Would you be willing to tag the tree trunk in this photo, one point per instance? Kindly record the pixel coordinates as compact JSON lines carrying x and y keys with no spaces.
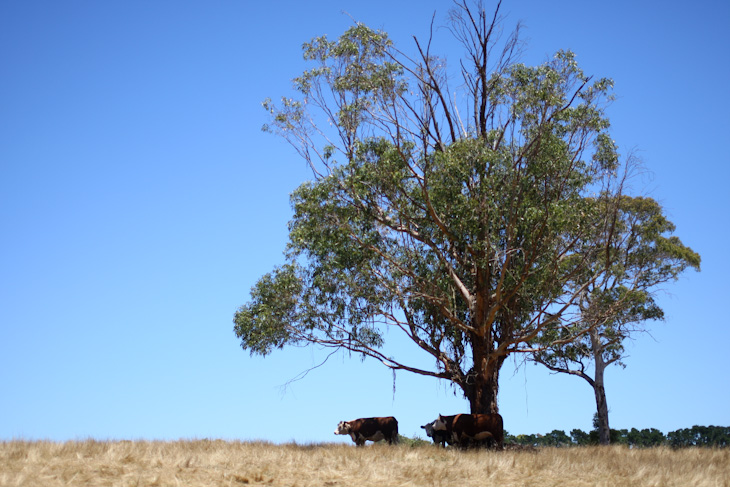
{"x":483,"y":378}
{"x":604,"y":431}
{"x":483,"y":388}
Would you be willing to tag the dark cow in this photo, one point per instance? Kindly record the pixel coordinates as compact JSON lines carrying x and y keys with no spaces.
{"x":440,"y":436}
{"x":373,"y":429}
{"x":469,"y":429}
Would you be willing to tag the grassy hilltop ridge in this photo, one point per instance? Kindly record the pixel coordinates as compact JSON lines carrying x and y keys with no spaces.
{"x":214,"y":463}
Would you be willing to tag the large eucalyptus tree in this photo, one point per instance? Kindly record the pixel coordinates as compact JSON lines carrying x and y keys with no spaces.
{"x":460,"y":204}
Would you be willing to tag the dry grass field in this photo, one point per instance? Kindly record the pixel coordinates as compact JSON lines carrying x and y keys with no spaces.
{"x":220,"y":463}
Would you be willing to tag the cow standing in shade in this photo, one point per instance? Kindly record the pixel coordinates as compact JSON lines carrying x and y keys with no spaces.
{"x":373,"y":429}
{"x":469,"y":429}
{"x":440,"y":436}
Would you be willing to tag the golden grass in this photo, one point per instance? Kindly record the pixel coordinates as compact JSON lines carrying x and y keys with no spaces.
{"x":220,"y":463}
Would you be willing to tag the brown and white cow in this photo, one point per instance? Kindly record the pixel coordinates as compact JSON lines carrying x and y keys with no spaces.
{"x":469,"y":429}
{"x":440,"y":436}
{"x":373,"y":429}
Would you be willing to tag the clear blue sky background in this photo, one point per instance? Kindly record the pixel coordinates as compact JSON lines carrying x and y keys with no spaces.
{"x":139,"y":202}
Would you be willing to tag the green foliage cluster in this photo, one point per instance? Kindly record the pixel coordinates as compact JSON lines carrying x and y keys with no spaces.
{"x":700,"y":436}
{"x":642,"y":254}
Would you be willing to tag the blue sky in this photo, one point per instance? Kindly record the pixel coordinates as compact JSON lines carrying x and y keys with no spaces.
{"x":139,"y":202}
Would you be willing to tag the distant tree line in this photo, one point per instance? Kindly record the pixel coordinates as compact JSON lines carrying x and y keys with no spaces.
{"x":706,"y":436}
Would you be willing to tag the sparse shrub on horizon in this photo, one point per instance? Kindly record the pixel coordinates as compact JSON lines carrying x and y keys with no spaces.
{"x":414,"y":442}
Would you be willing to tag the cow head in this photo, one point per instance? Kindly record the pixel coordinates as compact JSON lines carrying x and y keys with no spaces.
{"x":439,"y":424}
{"x":343,"y":428}
{"x":429,"y":429}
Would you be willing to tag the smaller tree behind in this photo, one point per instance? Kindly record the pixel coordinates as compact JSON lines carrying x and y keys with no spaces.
{"x":643,"y":254}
